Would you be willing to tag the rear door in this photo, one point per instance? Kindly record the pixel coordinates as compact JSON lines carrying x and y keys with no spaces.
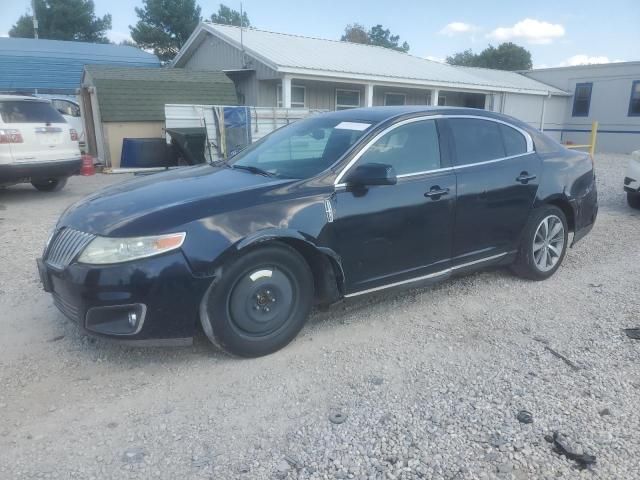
{"x":497,"y":175}
{"x":43,"y":133}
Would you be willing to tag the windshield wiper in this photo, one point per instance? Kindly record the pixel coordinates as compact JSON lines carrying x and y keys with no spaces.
{"x":252,"y":169}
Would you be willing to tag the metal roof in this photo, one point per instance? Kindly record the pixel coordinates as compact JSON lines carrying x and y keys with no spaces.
{"x":140,"y":94}
{"x":300,"y":55}
{"x":27,"y":64}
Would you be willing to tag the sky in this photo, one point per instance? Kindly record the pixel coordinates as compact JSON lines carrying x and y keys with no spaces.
{"x":556,"y":32}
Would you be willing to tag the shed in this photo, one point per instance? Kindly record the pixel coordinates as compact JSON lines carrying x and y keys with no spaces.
{"x":41,"y":66}
{"x":122,"y":102}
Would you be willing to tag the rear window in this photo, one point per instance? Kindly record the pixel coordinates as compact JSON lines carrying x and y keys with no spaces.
{"x":514,"y":141}
{"x":26,"y":111}
{"x":476,"y":140}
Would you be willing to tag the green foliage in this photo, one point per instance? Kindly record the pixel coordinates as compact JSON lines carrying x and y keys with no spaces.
{"x":507,"y":56}
{"x":377,"y":35}
{"x":64,"y":20}
{"x":229,"y":16}
{"x":165,"y":25}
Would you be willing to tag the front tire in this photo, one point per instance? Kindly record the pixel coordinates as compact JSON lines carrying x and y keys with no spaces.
{"x":260,"y":303}
{"x":543,"y":245}
{"x":50,"y":184}
{"x":633,"y":199}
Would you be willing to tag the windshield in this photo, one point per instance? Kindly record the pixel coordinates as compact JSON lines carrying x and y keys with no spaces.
{"x":302,"y":149}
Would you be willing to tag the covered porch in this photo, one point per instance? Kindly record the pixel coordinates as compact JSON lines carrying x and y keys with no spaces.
{"x":338,"y":94}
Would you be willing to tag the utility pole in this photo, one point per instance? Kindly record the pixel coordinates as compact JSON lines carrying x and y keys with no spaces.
{"x":35,"y":19}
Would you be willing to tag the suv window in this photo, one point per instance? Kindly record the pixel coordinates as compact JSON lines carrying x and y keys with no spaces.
{"x":29,"y":111}
{"x":410,"y":148}
{"x":476,"y":140}
{"x":514,"y":141}
{"x":66,"y":108}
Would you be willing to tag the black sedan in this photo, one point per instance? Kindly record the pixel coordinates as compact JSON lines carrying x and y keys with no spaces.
{"x":333,"y":206}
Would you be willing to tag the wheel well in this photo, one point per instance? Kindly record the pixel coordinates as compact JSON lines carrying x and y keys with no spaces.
{"x":564,"y":205}
{"x":327,"y":277}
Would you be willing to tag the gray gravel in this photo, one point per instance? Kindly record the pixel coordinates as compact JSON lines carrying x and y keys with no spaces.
{"x":430,"y":380}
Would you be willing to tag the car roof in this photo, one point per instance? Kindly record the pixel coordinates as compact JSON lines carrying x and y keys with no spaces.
{"x":22,"y":97}
{"x":381,"y":114}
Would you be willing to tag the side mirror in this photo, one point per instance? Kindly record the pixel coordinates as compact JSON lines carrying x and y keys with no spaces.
{"x":372,"y":174}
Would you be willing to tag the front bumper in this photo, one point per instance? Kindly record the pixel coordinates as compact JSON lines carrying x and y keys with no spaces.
{"x":29,"y":171}
{"x":163,"y":290}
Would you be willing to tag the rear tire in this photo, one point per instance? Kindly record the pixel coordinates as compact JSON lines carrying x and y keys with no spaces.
{"x":50,"y":184}
{"x":633,"y":199}
{"x":543,"y":245}
{"x":260,"y":303}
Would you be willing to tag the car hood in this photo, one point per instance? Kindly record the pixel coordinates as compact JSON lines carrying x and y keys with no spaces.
{"x":162,"y":202}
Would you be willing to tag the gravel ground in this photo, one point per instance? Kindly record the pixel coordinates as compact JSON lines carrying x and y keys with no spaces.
{"x":427,"y":382}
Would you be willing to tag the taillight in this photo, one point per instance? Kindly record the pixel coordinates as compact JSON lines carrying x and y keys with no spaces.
{"x":74,"y":134}
{"x":10,"y":135}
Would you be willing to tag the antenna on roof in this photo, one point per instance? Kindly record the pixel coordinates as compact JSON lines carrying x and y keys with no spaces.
{"x":35,"y":19}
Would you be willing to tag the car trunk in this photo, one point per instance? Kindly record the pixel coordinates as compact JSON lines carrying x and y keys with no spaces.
{"x":45,"y":134}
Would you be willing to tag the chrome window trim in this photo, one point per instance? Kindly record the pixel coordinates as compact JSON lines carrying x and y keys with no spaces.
{"x":338,"y":184}
{"x":430,"y":275}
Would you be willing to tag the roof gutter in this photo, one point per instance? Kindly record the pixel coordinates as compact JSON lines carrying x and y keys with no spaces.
{"x":340,"y":77}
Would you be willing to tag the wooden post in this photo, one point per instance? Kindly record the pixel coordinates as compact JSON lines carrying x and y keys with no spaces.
{"x":594,"y":134}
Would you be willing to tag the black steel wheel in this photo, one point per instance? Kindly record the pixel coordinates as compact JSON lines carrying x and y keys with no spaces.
{"x":260,"y":303}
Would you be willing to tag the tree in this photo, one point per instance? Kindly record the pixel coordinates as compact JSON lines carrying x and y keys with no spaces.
{"x":507,"y":56}
{"x":377,"y":35}
{"x":383,"y":38}
{"x":355,"y":33}
{"x":228,"y":16}
{"x":64,"y":20}
{"x":165,"y":25}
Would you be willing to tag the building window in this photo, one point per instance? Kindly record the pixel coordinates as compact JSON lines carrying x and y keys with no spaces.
{"x":634,"y":101}
{"x":428,"y":99}
{"x":298,"y":96}
{"x":582,"y":100}
{"x":347,"y":99}
{"x":442,"y":100}
{"x":391,"y":99}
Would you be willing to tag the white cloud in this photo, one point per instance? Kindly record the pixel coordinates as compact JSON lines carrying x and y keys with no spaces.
{"x":586,"y":60}
{"x":455,"y":28}
{"x":435,"y":59}
{"x":4,"y":35}
{"x":529,"y":30}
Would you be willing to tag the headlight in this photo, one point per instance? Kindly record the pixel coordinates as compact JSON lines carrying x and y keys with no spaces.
{"x":103,"y":250}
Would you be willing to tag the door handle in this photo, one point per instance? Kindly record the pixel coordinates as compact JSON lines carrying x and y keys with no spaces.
{"x":525,"y":178}
{"x":436,"y":192}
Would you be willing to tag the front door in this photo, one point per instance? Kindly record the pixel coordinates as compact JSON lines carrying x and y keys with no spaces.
{"x":498,"y":176}
{"x":390,"y":234}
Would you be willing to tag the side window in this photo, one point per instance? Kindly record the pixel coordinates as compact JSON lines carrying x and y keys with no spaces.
{"x":582,"y":100}
{"x":634,"y":101}
{"x":476,"y":140}
{"x":410,"y":148}
{"x":514,"y":141}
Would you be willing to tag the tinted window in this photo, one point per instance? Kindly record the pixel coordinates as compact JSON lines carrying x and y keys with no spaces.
{"x":476,"y":140}
{"x":634,"y":102}
{"x":409,"y":148}
{"x":514,"y":141}
{"x":582,"y":100}
{"x":28,"y":111}
{"x":66,"y":108}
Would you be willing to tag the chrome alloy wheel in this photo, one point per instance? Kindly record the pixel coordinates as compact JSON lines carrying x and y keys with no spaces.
{"x":548,"y":243}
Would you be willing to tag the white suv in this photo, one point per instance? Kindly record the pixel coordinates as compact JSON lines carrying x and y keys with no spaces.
{"x":632,"y":180}
{"x":36,"y":144}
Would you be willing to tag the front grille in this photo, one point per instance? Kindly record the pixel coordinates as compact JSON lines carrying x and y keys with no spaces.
{"x":67,"y":308}
{"x":66,"y":244}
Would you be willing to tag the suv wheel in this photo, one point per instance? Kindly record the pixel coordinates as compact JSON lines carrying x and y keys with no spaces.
{"x":50,"y":184}
{"x":633,"y":199}
{"x":543,"y":245}
{"x":260,"y":303}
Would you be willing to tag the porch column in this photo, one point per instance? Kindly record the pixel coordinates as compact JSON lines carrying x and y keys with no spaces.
{"x":434,"y":97}
{"x":368,"y":95}
{"x":286,"y":91}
